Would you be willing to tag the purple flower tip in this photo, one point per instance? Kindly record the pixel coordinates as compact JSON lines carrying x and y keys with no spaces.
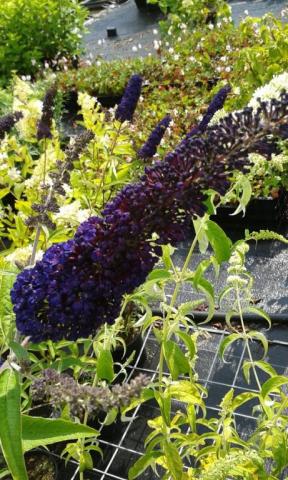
{"x":8,"y":121}
{"x":127,"y":106}
{"x":150,"y":146}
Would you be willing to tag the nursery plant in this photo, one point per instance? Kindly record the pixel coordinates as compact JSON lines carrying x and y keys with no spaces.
{"x":183,"y":442}
{"x":64,"y":301}
{"x":222,"y":53}
{"x":43,"y":32}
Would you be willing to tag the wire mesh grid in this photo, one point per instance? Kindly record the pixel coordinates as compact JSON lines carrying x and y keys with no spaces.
{"x":124,"y":444}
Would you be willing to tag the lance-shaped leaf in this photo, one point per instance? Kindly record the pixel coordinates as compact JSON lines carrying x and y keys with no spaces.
{"x":10,"y":423}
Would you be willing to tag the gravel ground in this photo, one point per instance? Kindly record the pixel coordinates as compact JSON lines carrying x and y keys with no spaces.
{"x":137,"y":31}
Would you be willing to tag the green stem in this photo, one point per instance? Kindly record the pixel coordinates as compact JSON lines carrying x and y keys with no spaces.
{"x":282,"y":407}
{"x":246,"y":339}
{"x":85,"y":420}
{"x":45,"y":161}
{"x":110,"y":152}
{"x":174,"y":298}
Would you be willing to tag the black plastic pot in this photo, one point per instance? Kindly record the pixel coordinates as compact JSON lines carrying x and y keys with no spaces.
{"x":41,"y":464}
{"x":261,"y":213}
{"x":135,"y":345}
{"x":144,"y":5}
{"x":71,"y":106}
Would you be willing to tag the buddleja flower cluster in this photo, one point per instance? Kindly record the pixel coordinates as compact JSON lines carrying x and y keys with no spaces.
{"x":79,"y":284}
{"x":45,"y":122}
{"x":60,"y":390}
{"x":8,"y":121}
{"x":149,"y":148}
{"x":127,"y":106}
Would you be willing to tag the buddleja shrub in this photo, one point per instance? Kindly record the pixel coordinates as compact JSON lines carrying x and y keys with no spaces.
{"x":32,"y":32}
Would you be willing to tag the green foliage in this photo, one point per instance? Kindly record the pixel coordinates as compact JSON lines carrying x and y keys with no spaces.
{"x":265,"y":235}
{"x":213,"y":446}
{"x":10,"y":423}
{"x":34,"y":32}
{"x":192,"y":13}
{"x":108,"y":163}
{"x":8,"y":274}
{"x":37,"y":431}
{"x":222,"y":53}
{"x":263,"y":177}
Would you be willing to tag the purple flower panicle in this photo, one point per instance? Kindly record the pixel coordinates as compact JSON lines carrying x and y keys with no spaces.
{"x":215,"y":105}
{"x":79,"y":284}
{"x":45,"y":122}
{"x":8,"y":121}
{"x":59,"y":389}
{"x":149,"y":148}
{"x":127,"y":106}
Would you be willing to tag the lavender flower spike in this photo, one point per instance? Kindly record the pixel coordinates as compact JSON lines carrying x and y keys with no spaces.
{"x":8,"y":121}
{"x":150,"y":147}
{"x":127,"y":106}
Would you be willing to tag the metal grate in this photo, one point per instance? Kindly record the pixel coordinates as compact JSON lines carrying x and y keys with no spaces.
{"x":125,"y":444}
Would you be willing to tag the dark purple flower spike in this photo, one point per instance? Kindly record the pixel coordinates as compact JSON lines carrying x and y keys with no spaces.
{"x":8,"y":121}
{"x":150,"y":146}
{"x":79,"y":284}
{"x":45,"y":122}
{"x":215,"y":105}
{"x":127,"y":106}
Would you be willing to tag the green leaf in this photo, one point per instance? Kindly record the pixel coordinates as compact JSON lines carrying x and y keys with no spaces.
{"x":20,"y":352}
{"x":173,"y":460}
{"x":229,"y":315}
{"x":85,"y":462}
{"x":159,"y":274}
{"x":219,"y":241}
{"x":233,"y":337}
{"x":273,"y":384}
{"x":10,"y":423}
{"x":185,"y":392}
{"x":147,"y":460}
{"x":4,"y":192}
{"x":224,"y":294}
{"x":7,"y":318}
{"x":4,"y":473}
{"x":246,"y":188}
{"x":111,"y":416}
{"x":259,"y":312}
{"x":243,"y":398}
{"x":105,"y":369}
{"x":200,"y":270}
{"x":37,"y":431}
{"x":167,"y":252}
{"x":188,"y":341}
{"x":266,"y":367}
{"x":201,"y":235}
{"x":261,"y":338}
{"x":207,"y":288}
{"x":187,"y":308}
{"x":175,"y":359}
{"x":280,"y":451}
